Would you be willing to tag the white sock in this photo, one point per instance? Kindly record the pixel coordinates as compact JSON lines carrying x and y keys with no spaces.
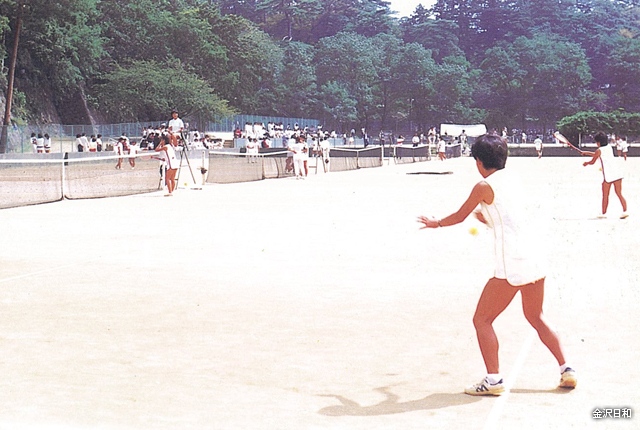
{"x":564,"y":367}
{"x":493,"y":378}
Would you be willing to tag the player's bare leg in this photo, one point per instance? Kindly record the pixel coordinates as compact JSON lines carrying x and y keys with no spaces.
{"x":617,"y":186}
{"x":495,"y":298}
{"x":606,"y":188}
{"x":532,"y":300}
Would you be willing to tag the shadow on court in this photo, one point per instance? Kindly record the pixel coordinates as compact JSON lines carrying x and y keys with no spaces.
{"x":392,"y":405}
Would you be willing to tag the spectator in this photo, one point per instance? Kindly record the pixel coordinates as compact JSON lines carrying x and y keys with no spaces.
{"x":40,"y":144}
{"x":34,"y":143}
{"x":47,"y":143}
{"x":93,"y":145}
{"x":415,"y":140}
{"x":133,"y":150}
{"x":85,"y":142}
{"x":78,"y":142}
{"x":442,"y":148}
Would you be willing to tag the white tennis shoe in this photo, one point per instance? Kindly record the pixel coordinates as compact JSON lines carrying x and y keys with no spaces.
{"x":485,"y":388}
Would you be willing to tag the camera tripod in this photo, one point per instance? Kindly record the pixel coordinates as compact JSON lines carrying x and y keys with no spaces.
{"x":184,"y":154}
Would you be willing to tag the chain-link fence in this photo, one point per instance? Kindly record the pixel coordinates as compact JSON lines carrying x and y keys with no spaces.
{"x":63,"y":136}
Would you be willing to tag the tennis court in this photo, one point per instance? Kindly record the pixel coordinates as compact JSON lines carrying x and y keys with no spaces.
{"x":315,"y":304}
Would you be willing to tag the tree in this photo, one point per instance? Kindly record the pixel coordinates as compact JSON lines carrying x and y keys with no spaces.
{"x":453,"y":87}
{"x":253,"y":61}
{"x":534,"y":79}
{"x":295,"y":91}
{"x":61,"y":50}
{"x":337,"y":104}
{"x":439,"y":36}
{"x":623,"y":74}
{"x":348,"y":59}
{"x":583,"y":123}
{"x":147,"y":90}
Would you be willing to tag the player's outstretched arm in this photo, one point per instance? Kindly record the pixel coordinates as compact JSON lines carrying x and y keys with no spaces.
{"x":481,"y":192}
{"x":594,"y":158}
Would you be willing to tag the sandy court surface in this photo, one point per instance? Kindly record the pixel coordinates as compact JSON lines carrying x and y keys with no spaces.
{"x":315,"y":304}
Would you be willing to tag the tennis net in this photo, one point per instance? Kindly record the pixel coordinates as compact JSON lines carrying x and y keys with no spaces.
{"x":30,"y":179}
{"x":342,"y":159}
{"x":93,"y":176}
{"x":409,"y":154}
{"x":230,"y":167}
{"x":41,"y":178}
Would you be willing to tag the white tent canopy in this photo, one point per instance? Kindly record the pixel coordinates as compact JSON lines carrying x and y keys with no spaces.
{"x":455,"y":130}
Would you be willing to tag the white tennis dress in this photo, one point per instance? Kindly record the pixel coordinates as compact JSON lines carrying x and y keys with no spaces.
{"x":170,"y":157}
{"x":610,"y":169}
{"x":518,"y":252}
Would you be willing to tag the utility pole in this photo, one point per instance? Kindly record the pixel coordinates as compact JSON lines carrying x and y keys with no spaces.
{"x":12,"y":72}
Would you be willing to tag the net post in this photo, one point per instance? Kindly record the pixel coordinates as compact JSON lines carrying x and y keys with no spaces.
{"x":64,"y":175}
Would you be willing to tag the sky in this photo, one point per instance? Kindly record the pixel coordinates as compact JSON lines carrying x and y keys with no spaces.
{"x":406,"y":7}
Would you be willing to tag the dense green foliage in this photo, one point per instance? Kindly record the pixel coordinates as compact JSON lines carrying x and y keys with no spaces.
{"x":352,"y":63}
{"x":584,"y":123}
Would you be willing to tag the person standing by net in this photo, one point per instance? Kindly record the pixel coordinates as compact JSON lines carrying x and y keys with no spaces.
{"x":298,"y":157}
{"x":518,"y":261}
{"x":325,"y":150}
{"x":171,"y":162}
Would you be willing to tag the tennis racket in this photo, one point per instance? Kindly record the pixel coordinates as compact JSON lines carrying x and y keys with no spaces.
{"x":564,"y":140}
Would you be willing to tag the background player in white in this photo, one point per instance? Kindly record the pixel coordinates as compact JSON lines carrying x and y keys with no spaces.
{"x":538,"y":144}
{"x":118,"y":148}
{"x":622,"y":146}
{"x":133,"y":150}
{"x":252,"y":150}
{"x":442,"y":149}
{"x":325,"y":150}
{"x":610,"y":171}
{"x":298,"y":157}
{"x":518,"y":265}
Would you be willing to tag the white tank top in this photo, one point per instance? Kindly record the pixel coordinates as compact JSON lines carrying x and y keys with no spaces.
{"x":610,"y":169}
{"x":518,"y":252}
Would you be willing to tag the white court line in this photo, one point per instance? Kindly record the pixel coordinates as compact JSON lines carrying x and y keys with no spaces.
{"x":498,"y":406}
{"x":39,"y":272}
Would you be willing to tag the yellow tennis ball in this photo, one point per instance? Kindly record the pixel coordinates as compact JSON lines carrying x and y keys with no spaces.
{"x":473,"y":231}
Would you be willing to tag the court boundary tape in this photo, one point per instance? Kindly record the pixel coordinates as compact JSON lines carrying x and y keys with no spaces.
{"x":498,"y":406}
{"x":40,"y":272}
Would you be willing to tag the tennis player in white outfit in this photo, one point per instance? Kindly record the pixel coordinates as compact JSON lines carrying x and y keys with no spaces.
{"x":518,"y":265}
{"x":610,"y":170}
{"x":171,"y":161}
